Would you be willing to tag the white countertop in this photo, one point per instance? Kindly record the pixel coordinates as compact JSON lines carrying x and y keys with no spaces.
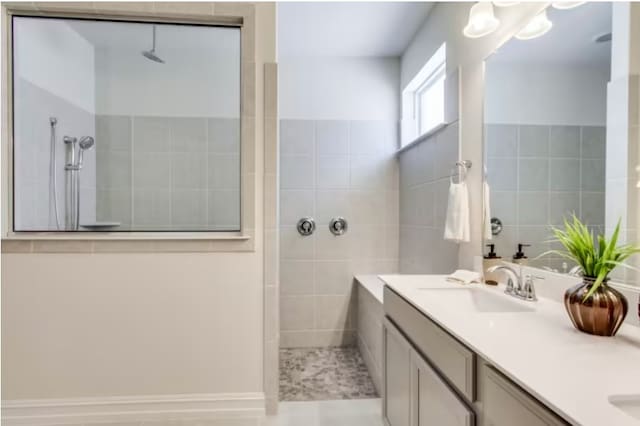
{"x":571,"y":372}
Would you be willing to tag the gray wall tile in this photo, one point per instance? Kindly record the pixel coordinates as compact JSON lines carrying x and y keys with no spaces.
{"x":332,"y":137}
{"x":297,"y":172}
{"x":533,"y":208}
{"x":533,"y":174}
{"x":502,"y":140}
{"x":562,"y":205}
{"x":223,"y":135}
{"x":593,"y":142}
{"x":332,"y":172}
{"x":151,"y":134}
{"x":297,"y":137}
{"x":534,"y":141}
{"x":152,"y":170}
{"x":188,"y":134}
{"x":564,"y":174}
{"x":593,"y":208}
{"x":224,"y":209}
{"x":189,"y":208}
{"x":504,"y":206}
{"x":502,"y":174}
{"x":188,"y":170}
{"x":564,"y":141}
{"x":113,"y":132}
{"x":593,"y":175}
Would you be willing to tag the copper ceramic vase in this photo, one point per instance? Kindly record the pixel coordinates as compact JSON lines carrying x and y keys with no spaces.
{"x":601,"y":314}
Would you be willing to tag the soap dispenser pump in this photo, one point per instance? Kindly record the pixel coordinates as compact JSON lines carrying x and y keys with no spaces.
{"x":489,"y":260}
{"x":520,"y":258}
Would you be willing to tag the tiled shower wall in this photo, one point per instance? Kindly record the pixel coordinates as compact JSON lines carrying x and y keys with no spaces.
{"x":168,"y":173}
{"x":539,"y":174}
{"x":424,"y":189}
{"x":329,"y":169}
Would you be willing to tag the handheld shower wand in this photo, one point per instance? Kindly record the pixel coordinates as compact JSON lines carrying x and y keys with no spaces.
{"x":85,"y":143}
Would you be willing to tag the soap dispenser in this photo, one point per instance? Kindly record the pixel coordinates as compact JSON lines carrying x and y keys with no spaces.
{"x":489,"y":260}
{"x":520,"y":258}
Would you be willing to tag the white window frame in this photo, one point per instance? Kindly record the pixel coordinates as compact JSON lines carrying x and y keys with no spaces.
{"x":433,"y":72}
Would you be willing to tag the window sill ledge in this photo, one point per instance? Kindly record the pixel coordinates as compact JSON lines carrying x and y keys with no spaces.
{"x":423,"y":137}
{"x":129,"y":242}
{"x":126,"y":236}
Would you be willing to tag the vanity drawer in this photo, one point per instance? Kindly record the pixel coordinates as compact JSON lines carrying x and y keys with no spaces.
{"x":451,"y":358}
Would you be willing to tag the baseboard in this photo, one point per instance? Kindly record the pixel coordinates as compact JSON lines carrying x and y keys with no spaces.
{"x":74,"y":411}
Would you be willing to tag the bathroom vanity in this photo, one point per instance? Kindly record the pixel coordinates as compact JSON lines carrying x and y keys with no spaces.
{"x":468,"y":355}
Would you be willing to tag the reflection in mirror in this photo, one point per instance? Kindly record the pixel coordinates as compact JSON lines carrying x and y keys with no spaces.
{"x":545,"y":131}
{"x":125,"y":126}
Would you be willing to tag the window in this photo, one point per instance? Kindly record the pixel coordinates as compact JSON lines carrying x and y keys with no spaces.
{"x":423,"y":99}
{"x":125,"y":126}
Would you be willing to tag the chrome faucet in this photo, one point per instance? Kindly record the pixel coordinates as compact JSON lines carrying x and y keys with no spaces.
{"x":516,"y":287}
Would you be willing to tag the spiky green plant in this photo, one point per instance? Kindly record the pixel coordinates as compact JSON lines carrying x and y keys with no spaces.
{"x":595,"y":260}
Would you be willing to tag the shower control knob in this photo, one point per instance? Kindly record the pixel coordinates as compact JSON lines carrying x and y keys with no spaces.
{"x":338,"y":226}
{"x":306,"y":226}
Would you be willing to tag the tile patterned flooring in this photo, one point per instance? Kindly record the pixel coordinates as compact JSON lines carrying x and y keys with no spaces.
{"x":317,"y":374}
{"x":360,"y":412}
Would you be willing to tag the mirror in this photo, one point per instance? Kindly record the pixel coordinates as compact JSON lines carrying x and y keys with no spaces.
{"x":125,"y":126}
{"x":546,"y":129}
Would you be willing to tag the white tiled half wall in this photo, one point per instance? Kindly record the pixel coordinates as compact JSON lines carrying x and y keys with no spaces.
{"x":330,"y":169}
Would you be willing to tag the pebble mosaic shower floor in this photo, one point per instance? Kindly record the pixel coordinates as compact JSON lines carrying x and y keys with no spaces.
{"x":316,"y":374}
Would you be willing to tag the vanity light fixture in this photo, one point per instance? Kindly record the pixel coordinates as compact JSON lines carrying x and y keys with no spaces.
{"x":482,"y":21}
{"x":537,"y":26}
{"x":505,"y":3}
{"x":564,"y":5}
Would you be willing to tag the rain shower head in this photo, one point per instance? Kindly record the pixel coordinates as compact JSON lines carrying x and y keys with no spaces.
{"x":151,"y":54}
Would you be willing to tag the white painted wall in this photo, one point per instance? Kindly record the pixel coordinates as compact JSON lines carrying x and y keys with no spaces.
{"x":54,"y":57}
{"x":334,"y":88}
{"x":553,"y":94}
{"x":191,"y":82}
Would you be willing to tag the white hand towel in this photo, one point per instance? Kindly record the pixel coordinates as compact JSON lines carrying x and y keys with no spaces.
{"x":456,"y":227}
{"x":487,"y":212}
{"x":463,"y":276}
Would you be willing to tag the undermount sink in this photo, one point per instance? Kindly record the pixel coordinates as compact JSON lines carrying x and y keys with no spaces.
{"x":630,"y":404}
{"x":478,"y":299}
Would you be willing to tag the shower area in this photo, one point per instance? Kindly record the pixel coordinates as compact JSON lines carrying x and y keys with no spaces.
{"x":125,"y":126}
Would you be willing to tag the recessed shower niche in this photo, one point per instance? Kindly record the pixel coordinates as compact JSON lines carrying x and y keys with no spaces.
{"x":125,"y":126}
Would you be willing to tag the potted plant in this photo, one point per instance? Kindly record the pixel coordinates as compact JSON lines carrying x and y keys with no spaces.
{"x":593,"y":306}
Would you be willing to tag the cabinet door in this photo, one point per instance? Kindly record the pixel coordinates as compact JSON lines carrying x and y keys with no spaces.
{"x":396,"y":407}
{"x":436,"y":404}
{"x":505,"y":404}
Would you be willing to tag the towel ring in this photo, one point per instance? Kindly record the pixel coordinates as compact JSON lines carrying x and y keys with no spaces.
{"x":460,"y":169}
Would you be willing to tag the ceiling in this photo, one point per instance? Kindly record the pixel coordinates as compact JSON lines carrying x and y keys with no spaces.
{"x":365,"y":29}
{"x":570,"y":40}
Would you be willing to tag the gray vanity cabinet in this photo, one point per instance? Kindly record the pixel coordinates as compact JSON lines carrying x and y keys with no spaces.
{"x":432,"y":379}
{"x":414,"y":394}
